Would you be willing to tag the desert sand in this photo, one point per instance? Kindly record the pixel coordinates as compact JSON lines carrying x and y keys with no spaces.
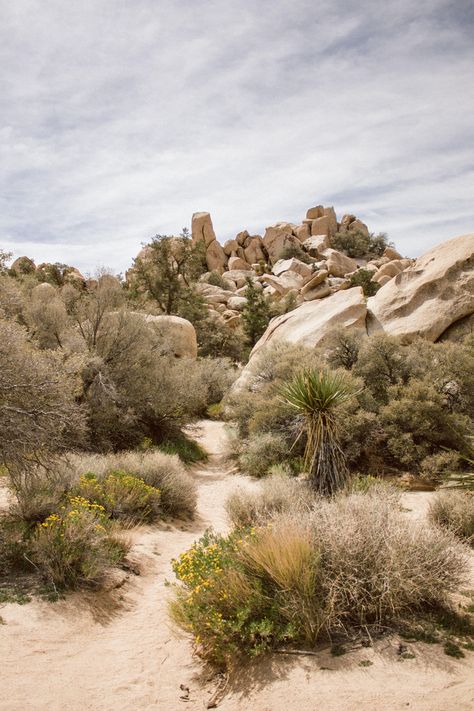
{"x":117,"y":649}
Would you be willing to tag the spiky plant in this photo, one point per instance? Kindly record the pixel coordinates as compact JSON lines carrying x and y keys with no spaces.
{"x":316,"y":395}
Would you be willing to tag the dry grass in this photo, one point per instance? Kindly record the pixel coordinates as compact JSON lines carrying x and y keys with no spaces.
{"x":454,"y":510}
{"x":277,"y":494}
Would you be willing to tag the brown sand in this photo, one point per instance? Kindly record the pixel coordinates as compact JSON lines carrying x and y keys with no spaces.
{"x":117,"y":650}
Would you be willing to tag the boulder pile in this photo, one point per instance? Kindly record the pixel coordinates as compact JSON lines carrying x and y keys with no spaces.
{"x":289,"y":260}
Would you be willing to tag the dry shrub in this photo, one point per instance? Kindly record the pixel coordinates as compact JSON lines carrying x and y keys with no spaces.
{"x":76,"y":546}
{"x":162,"y":471}
{"x":40,"y":491}
{"x":276,"y":494}
{"x":376,"y":565}
{"x":454,"y":510}
{"x":353,"y":561}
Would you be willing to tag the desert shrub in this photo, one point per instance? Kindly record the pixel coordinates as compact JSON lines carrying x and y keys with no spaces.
{"x":215,"y":279}
{"x":75,"y":546}
{"x":377,"y":565}
{"x":454,"y":510}
{"x":229,"y":601}
{"x":217,"y":374}
{"x":417,"y":423}
{"x":260,"y":451}
{"x":157,"y":469}
{"x":293,"y":250}
{"x":342,"y":347}
{"x":42,"y":491}
{"x":122,"y":495}
{"x":358,"y":244}
{"x":186,"y":448}
{"x":381,"y":363}
{"x":354,"y":561}
{"x":442,"y":465}
{"x":363,"y":278}
{"x":277,"y":493}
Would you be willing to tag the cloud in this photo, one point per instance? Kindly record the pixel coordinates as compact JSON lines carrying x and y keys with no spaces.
{"x":121,"y":119}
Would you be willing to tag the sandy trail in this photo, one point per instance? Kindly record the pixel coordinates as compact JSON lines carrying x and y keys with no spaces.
{"x":117,"y":650}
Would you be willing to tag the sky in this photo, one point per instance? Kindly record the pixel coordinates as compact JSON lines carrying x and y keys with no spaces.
{"x":120,"y":118}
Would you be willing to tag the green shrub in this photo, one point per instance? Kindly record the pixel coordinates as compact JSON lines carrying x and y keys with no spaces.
{"x":122,"y":495}
{"x":358,"y":244}
{"x":454,"y":510}
{"x":292,"y":250}
{"x":261,"y":451}
{"x":442,"y":465}
{"x":354,"y":561}
{"x":363,"y":278}
{"x":75,"y":546}
{"x":187,"y":449}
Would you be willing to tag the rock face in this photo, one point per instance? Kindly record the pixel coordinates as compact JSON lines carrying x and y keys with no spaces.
{"x":428,"y":297}
{"x":175,"y":333}
{"x":311,"y":323}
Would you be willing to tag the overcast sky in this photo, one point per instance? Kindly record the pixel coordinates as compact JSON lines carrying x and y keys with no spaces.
{"x":120,"y":118}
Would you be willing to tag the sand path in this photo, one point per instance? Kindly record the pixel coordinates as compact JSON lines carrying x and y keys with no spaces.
{"x":117,"y":650}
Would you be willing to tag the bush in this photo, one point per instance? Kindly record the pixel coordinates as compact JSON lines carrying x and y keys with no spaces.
{"x":354,"y":561}
{"x":442,"y":465}
{"x":261,"y":451}
{"x":292,"y":250}
{"x":121,"y":495}
{"x":187,"y":449}
{"x":75,"y":546}
{"x":358,"y":244}
{"x":363,"y":278}
{"x":277,"y":494}
{"x":42,"y":491}
{"x":454,"y":510}
{"x":162,"y":471}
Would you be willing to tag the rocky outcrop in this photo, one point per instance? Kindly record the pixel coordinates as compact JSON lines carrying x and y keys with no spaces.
{"x":426,"y":298}
{"x":311,"y":323}
{"x":202,"y":230}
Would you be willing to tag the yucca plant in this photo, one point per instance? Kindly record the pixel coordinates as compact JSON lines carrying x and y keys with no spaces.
{"x":317,"y":395}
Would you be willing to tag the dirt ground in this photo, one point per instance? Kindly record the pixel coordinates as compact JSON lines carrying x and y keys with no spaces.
{"x":117,"y":649}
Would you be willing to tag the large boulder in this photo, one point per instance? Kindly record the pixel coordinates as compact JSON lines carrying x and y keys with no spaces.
{"x":276,"y":239}
{"x":23,"y":265}
{"x":176,"y":335}
{"x":216,"y":259}
{"x":339,"y":264}
{"x":202,"y":229}
{"x":253,"y":249}
{"x":428,"y":297}
{"x":311,"y":323}
{"x":292,"y":265}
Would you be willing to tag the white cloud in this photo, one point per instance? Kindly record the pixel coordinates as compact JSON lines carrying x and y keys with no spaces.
{"x":120,"y":119}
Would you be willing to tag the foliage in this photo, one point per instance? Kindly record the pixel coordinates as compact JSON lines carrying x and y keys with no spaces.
{"x":255,"y":314}
{"x":75,"y":546}
{"x":260,"y":451}
{"x":316,"y":395}
{"x":187,"y":449}
{"x":276,"y":494}
{"x":442,"y":465}
{"x":293,"y":250}
{"x":454,"y":510}
{"x":363,"y":278}
{"x":354,"y":561}
{"x":121,"y":495}
{"x":358,"y":244}
{"x":38,"y":412}
{"x":157,"y":469}
{"x":169,"y":265}
{"x":342,"y":348}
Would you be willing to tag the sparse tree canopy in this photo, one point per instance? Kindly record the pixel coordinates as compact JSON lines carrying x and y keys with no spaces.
{"x":169,"y":266}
